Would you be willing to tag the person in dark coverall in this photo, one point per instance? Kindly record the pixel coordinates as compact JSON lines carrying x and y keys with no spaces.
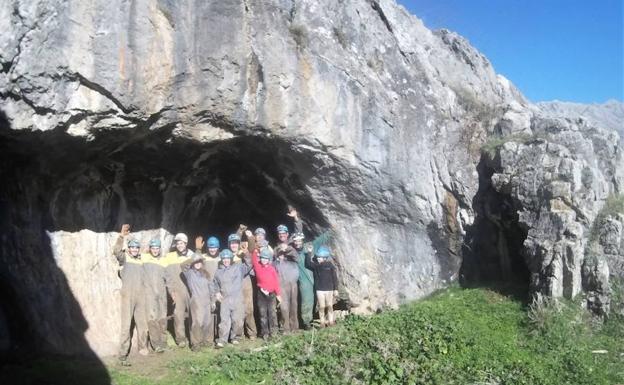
{"x":201,"y":287}
{"x":260,"y":238}
{"x":176,"y":287}
{"x":267,"y":281}
{"x":211,"y":264}
{"x":288,"y":271}
{"x":132,"y":294}
{"x":156,"y":296}
{"x":306,"y":276}
{"x":240,"y":253}
{"x":326,"y":283}
{"x":228,"y":282}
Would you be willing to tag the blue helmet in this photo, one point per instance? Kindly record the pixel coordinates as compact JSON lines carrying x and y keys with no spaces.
{"x":323,"y":252}
{"x":154,"y":242}
{"x":213,"y":243}
{"x":260,"y":230}
{"x":226,"y":254}
{"x":282,"y":229}
{"x":134,"y":243}
{"x":266,"y":253}
{"x":233,"y":238}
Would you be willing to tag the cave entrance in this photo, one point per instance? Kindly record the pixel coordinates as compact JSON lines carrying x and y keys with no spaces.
{"x":248,"y":180}
{"x":149,"y":178}
{"x":493,"y":251}
{"x":153,"y":181}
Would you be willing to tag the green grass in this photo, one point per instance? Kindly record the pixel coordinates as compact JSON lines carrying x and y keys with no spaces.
{"x":457,"y":336}
{"x":614,"y":205}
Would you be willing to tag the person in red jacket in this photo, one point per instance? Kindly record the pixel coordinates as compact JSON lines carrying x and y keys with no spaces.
{"x":267,"y":281}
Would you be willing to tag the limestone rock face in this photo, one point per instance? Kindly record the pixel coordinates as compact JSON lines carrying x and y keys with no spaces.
{"x":194,"y":117}
{"x":608,"y":115}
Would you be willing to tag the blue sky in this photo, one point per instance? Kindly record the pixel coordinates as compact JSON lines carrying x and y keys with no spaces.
{"x":569,"y":50}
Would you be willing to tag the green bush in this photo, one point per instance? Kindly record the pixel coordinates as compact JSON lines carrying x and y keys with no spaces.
{"x":614,"y":205}
{"x":494,"y":143}
{"x":299,"y":35}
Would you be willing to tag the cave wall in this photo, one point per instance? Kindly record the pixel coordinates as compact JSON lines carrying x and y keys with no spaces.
{"x":380,"y":119}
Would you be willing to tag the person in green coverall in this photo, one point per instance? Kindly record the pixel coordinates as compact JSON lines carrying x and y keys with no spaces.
{"x":306,"y":278}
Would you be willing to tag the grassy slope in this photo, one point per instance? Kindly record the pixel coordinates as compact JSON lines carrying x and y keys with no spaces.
{"x":471,"y":336}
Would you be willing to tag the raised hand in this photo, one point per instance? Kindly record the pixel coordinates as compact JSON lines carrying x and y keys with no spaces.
{"x":125,"y":230}
{"x":292,"y":213}
{"x":199,"y":244}
{"x":242,"y":228}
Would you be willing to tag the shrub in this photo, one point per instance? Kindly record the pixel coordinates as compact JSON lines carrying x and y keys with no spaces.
{"x":614,"y":205}
{"x":494,"y":143}
{"x":299,"y":35}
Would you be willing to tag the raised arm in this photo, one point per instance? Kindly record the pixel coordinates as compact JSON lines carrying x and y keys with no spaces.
{"x":241,"y":230}
{"x":291,"y":254}
{"x":199,"y":244}
{"x":309,"y":263}
{"x":251,"y":241}
{"x":118,"y":248}
{"x":294,"y":214}
{"x":186,"y":265}
{"x":246,"y":265}
{"x":254,"y":259}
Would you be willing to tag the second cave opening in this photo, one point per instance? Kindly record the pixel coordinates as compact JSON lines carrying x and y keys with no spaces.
{"x":493,"y":250}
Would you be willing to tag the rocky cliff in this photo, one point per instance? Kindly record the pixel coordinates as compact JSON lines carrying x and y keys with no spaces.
{"x":424,"y":165}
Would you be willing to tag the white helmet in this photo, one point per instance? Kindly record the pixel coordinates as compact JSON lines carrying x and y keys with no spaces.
{"x":181,"y":237}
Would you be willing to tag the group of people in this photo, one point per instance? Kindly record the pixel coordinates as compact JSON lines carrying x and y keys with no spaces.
{"x":245,"y":277}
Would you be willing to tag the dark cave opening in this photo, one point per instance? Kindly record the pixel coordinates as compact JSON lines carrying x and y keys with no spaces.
{"x":493,"y":247}
{"x":148,"y":178}
{"x":151,"y":182}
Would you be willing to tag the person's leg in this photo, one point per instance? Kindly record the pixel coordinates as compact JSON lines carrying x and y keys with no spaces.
{"x":157,"y":319}
{"x":181,"y":300}
{"x":238,"y":316}
{"x":140,"y":320}
{"x":126,"y":322}
{"x":293,"y":306}
{"x":207,"y":324}
{"x":284,"y":309}
{"x":329,"y":302}
{"x":306,"y":291}
{"x":273,"y":328}
{"x":197,"y":317}
{"x":263,"y":310}
{"x":225,"y":324}
{"x":320,"y":298}
{"x":161,"y":317}
{"x":249,"y":322}
{"x":214,"y":333}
